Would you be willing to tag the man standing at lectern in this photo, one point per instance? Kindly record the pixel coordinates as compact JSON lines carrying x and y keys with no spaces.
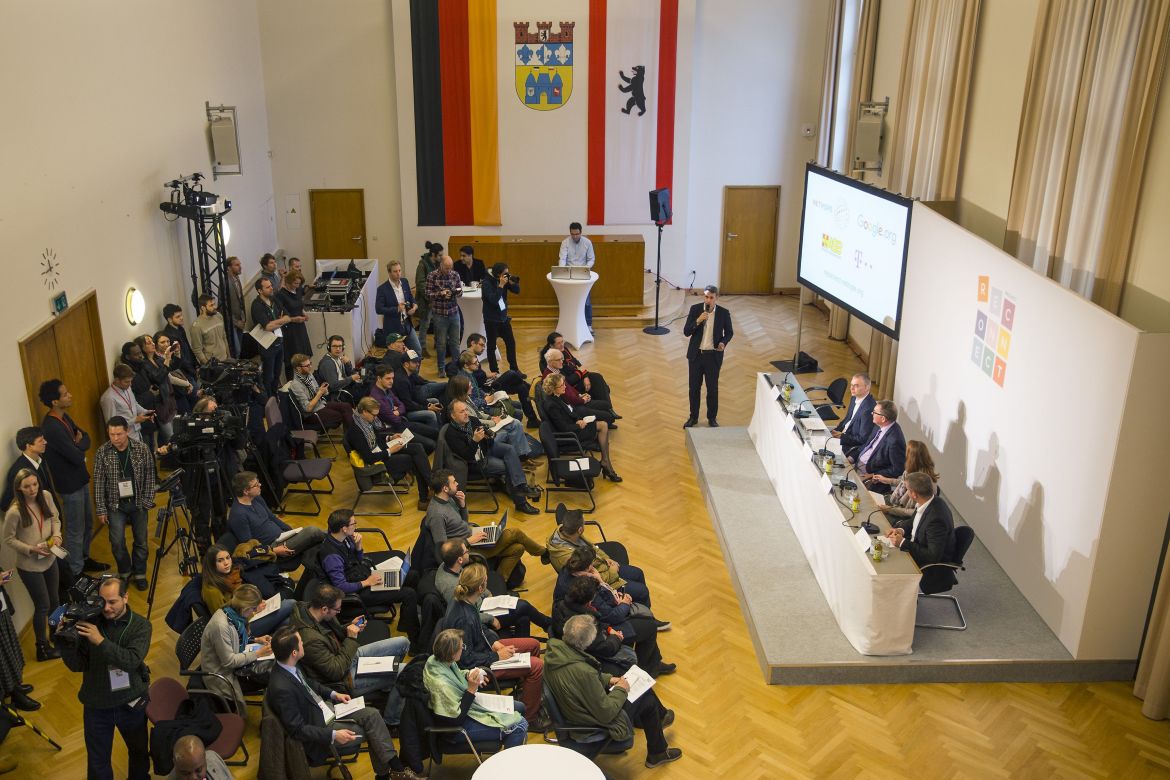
{"x":709,"y":329}
{"x":578,"y":250}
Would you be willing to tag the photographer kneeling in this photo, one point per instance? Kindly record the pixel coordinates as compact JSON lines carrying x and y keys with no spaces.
{"x":110,"y":652}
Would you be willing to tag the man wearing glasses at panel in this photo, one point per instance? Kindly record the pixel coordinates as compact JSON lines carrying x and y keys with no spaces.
{"x":884,"y":452}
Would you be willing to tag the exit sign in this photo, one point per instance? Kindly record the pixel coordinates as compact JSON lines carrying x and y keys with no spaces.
{"x":59,"y":303}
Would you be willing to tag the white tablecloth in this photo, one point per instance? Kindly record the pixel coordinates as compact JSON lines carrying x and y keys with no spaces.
{"x":571,"y":295}
{"x":534,"y":760}
{"x":874,"y":603}
{"x":356,"y":327}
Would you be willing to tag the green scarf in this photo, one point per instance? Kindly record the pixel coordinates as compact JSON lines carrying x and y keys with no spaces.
{"x":446,"y":684}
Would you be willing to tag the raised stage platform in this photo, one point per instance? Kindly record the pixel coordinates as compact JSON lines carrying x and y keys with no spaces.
{"x":797,"y":640}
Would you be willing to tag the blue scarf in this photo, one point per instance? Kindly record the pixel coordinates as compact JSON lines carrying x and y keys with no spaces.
{"x":240,"y":624}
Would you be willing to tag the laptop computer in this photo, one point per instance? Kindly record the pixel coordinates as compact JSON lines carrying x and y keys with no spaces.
{"x":393,"y":571}
{"x":493,"y":532}
{"x":578,"y":272}
{"x":561,"y":272}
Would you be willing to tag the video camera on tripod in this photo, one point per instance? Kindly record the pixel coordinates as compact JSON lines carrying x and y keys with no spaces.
{"x":223,"y":378}
{"x":207,"y":428}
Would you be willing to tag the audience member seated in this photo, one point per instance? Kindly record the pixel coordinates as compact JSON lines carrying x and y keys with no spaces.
{"x":575,"y":374}
{"x":928,"y":535}
{"x":208,"y":339}
{"x":310,"y":396}
{"x":413,"y":391}
{"x":467,"y":438}
{"x":452,"y":696}
{"x":570,"y":535}
{"x":884,"y":453}
{"x":461,"y":388}
{"x":119,"y":401}
{"x":446,"y":518}
{"x":32,"y":528}
{"x":31,"y":443}
{"x":223,"y":576}
{"x":481,"y":648}
{"x":587,"y":696}
{"x":195,"y":762}
{"x":898,"y":502}
{"x":565,"y":418}
{"x":250,"y":518}
{"x":331,"y":651}
{"x":351,"y":570}
{"x":392,"y":412}
{"x":637,"y":624}
{"x":609,"y":647}
{"x":511,"y":382}
{"x":224,"y":646}
{"x":374,"y":443}
{"x":857,"y":424}
{"x":603,"y":410}
{"x":304,"y":708}
{"x":338,"y":372}
{"x":456,"y":556}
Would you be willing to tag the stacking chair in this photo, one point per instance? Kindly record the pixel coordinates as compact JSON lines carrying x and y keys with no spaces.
{"x":937,"y":578}
{"x":310,"y":421}
{"x":477,"y":481}
{"x":455,"y":739}
{"x":563,"y":452}
{"x":365,"y":479}
{"x":272,"y":416}
{"x":834,"y":398}
{"x":167,"y":693}
{"x":306,"y":471}
{"x":589,"y":741}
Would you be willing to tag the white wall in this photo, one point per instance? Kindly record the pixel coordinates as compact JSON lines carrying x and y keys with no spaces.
{"x":104,"y":104}
{"x":1052,"y":472}
{"x":331,"y":98}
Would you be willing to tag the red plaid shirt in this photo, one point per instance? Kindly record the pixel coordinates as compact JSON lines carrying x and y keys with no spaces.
{"x":438,"y":280}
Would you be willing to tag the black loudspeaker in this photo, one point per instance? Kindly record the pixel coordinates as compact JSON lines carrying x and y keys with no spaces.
{"x":660,"y":206}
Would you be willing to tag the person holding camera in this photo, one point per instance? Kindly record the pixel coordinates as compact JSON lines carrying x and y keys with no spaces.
{"x":125,"y":482}
{"x":110,"y":652}
{"x":469,"y":440}
{"x":32,"y":528}
{"x":119,"y":401}
{"x":496,"y":321}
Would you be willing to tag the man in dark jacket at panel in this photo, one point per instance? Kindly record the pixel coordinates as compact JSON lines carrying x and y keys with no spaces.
{"x":929,"y":536}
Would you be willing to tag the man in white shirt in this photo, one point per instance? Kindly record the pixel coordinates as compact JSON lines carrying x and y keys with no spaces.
{"x":119,"y":401}
{"x":929,"y":536}
{"x":578,"y":250}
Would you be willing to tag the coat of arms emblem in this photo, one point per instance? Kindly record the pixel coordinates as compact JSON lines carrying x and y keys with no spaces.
{"x":544,"y":65}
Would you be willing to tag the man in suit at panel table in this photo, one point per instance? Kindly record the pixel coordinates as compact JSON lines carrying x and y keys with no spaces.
{"x":856,"y":426}
{"x":709,"y":329}
{"x":885,"y":451}
{"x":929,"y":536}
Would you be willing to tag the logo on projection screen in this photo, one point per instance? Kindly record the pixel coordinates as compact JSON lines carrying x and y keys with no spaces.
{"x":995,"y":316}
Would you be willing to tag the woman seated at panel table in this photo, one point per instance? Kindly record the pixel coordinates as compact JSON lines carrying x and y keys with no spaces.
{"x":898,"y":502}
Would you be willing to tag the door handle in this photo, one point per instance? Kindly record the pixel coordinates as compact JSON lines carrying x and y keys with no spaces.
{"x":355,"y":238}
{"x":732,"y":235}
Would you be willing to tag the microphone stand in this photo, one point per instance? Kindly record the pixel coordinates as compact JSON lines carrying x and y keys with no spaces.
{"x":656,"y":329}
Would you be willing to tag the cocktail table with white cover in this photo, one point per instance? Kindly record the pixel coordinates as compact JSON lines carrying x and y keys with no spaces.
{"x":535,"y":760}
{"x":571,"y":295}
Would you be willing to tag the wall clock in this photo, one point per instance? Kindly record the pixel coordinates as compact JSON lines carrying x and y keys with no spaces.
{"x":50,"y":269}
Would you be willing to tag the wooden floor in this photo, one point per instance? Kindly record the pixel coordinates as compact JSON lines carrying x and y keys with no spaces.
{"x":729,"y":723}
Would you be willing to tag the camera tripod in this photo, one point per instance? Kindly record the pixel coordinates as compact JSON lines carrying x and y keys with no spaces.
{"x":175,"y":511}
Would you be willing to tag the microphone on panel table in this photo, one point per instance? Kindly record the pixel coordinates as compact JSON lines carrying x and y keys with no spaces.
{"x":801,"y":414}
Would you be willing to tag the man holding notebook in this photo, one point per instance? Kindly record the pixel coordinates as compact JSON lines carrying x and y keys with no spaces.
{"x":447,"y":519}
{"x":250,"y":518}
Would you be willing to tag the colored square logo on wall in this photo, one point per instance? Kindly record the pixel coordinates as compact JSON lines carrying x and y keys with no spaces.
{"x":995,"y":320}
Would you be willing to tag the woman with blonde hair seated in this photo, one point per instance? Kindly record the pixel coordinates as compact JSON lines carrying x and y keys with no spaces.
{"x":898,"y":502}
{"x":224,"y":646}
{"x":452,"y":691}
{"x":565,"y":418}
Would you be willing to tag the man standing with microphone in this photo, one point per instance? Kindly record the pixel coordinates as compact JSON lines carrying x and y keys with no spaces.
{"x":709,"y":329}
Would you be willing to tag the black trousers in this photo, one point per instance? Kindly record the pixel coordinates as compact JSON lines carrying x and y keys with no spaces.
{"x":500,"y":330}
{"x":99,"y":724}
{"x":413,"y":457}
{"x":647,"y":713}
{"x":705,"y":368}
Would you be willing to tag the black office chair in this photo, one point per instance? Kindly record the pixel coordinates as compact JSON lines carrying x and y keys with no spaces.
{"x":937,"y":578}
{"x":477,"y":481}
{"x":365,"y":478}
{"x":589,"y":741}
{"x":568,"y":471}
{"x":834,"y":398}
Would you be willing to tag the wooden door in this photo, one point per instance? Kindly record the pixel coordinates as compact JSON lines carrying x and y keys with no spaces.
{"x":70,"y":348}
{"x":747,"y":262}
{"x":339,"y":224}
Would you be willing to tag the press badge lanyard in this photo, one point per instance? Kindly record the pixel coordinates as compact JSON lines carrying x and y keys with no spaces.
{"x":119,"y":678}
{"x":126,"y":486}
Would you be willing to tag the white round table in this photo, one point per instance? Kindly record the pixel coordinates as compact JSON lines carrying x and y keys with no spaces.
{"x":549,"y":760}
{"x":571,"y":295}
{"x":471,"y":304}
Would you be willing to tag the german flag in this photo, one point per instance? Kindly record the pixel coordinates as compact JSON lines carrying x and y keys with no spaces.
{"x":457,"y":163}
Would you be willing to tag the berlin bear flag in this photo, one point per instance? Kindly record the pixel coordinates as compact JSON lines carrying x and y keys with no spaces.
{"x":632,"y":53}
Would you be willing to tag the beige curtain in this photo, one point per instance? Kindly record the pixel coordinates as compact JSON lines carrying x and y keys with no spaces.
{"x":929,"y":120}
{"x":1088,"y":108}
{"x":849,"y":55}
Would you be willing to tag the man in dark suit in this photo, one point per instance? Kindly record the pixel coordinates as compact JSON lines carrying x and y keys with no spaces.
{"x":31,"y":443}
{"x":709,"y":329}
{"x":305,"y":709}
{"x":929,"y":536}
{"x":856,"y":426}
{"x":884,"y":452}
